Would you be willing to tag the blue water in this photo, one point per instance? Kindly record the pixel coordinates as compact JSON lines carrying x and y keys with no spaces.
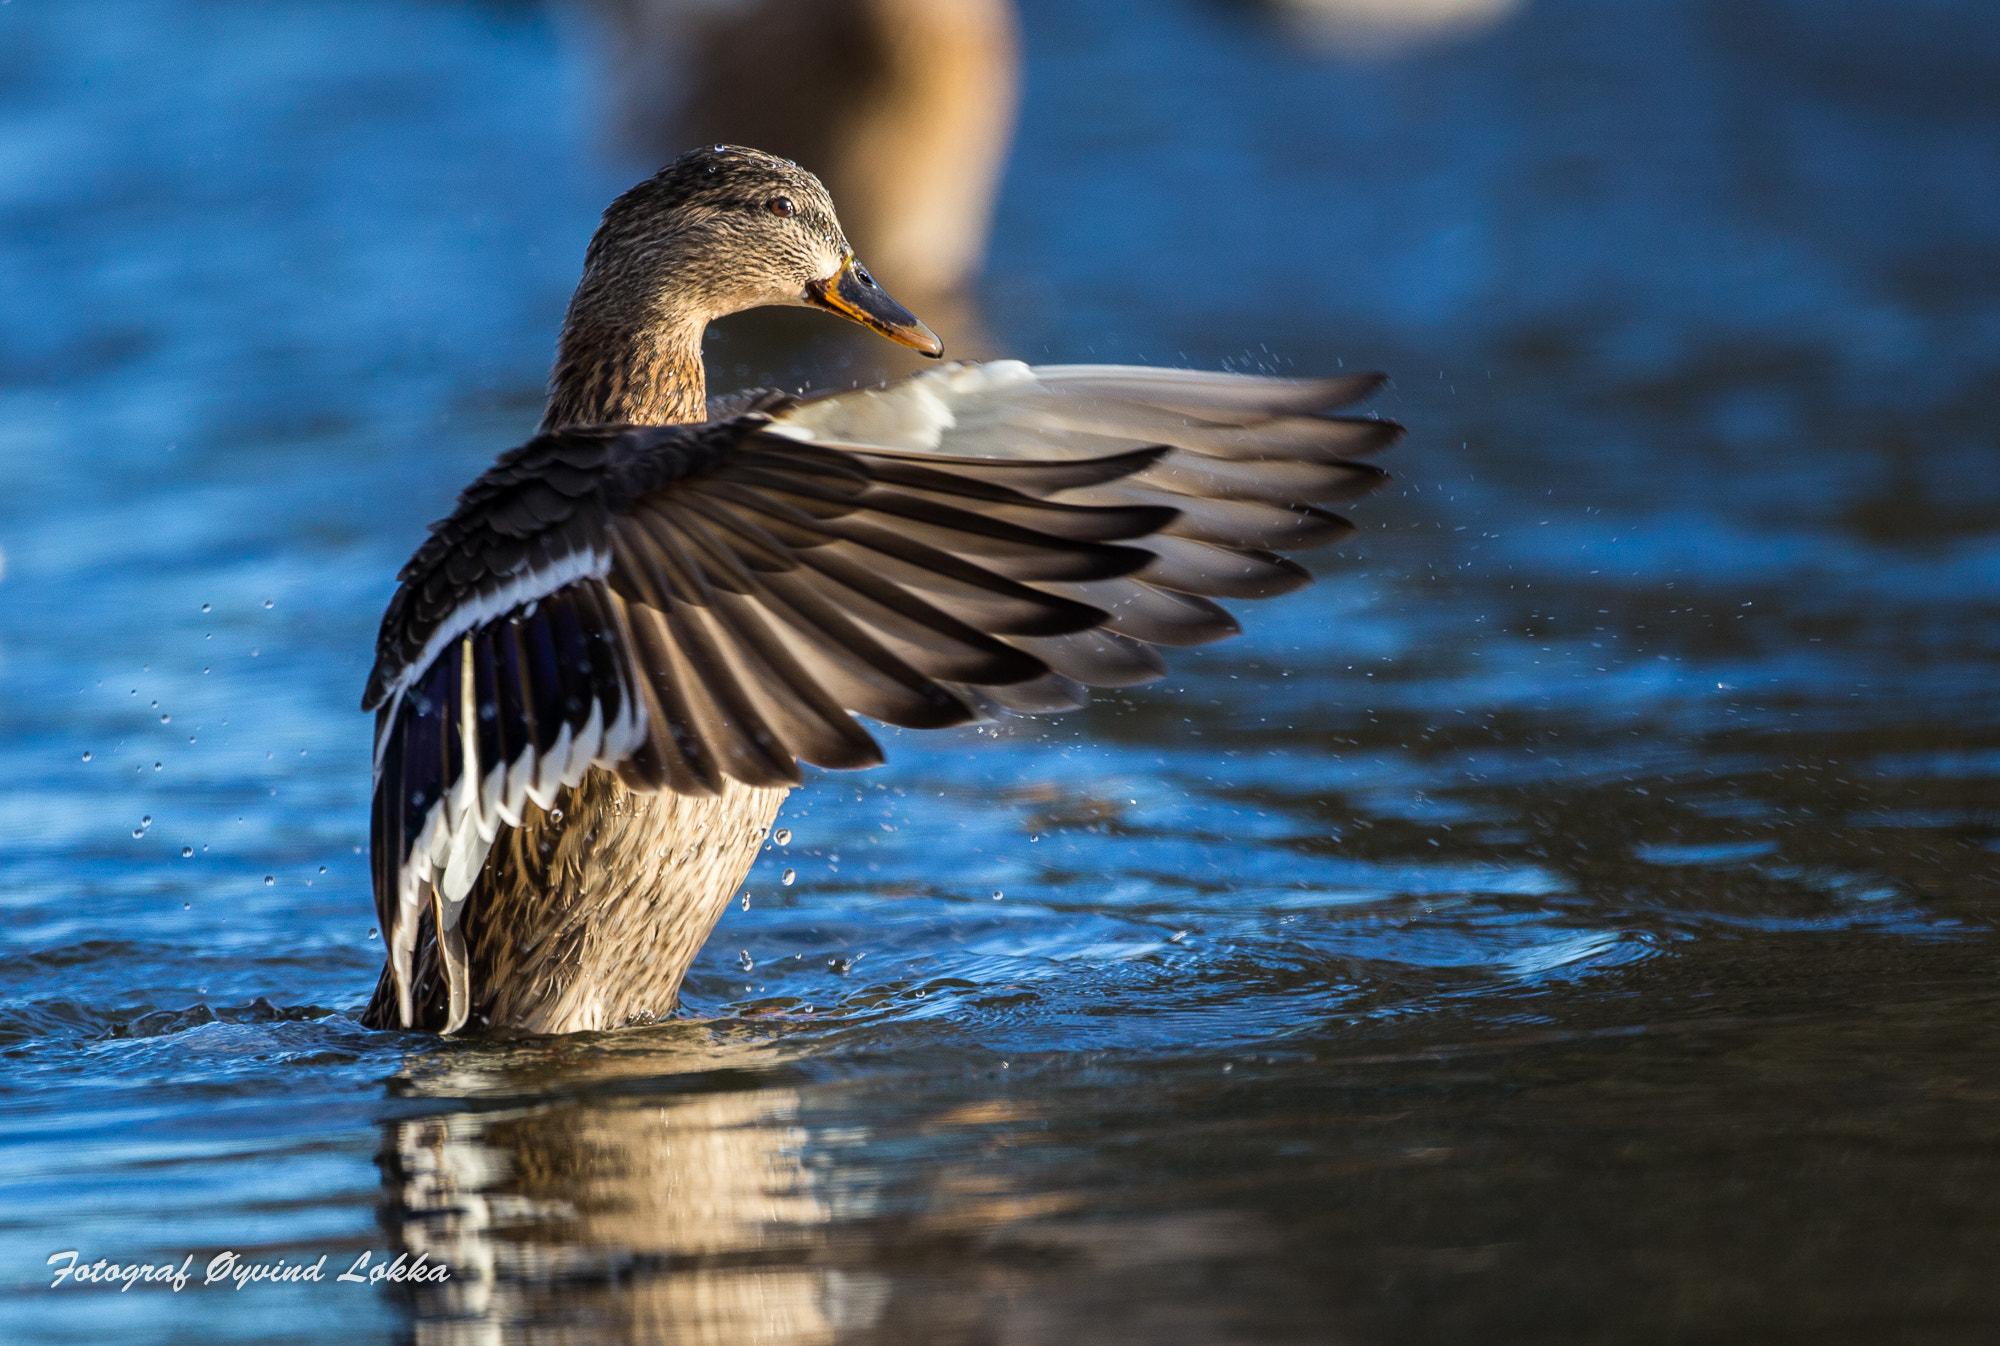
{"x":1574,"y":919}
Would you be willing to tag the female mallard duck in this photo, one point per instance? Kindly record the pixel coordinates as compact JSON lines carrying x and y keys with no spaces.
{"x":597,"y":679}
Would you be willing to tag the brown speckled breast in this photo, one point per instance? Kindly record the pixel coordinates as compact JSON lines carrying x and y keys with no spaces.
{"x":587,"y":915}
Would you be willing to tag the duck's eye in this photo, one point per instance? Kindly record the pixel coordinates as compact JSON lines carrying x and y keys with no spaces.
{"x":781,"y":205}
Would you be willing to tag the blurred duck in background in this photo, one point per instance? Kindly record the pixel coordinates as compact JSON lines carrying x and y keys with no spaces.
{"x":597,"y":679}
{"x":904,"y":108}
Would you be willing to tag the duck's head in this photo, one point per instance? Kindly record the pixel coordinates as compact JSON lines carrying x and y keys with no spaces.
{"x":723,"y":229}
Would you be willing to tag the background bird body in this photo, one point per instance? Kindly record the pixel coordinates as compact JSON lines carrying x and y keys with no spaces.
{"x":905,"y":108}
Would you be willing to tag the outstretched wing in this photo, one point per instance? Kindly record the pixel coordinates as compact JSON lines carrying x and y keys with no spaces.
{"x":689,"y":604}
{"x":1244,"y":464}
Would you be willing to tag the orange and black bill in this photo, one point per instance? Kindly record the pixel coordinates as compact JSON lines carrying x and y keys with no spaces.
{"x":853,"y":294}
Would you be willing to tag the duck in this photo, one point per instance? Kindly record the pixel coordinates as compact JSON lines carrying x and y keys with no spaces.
{"x":598,"y":678}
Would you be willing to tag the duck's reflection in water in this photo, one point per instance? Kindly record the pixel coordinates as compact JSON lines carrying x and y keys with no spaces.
{"x":671,"y":1185}
{"x":640,"y":1203}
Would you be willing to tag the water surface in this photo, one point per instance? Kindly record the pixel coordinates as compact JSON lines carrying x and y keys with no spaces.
{"x":1573,"y":920}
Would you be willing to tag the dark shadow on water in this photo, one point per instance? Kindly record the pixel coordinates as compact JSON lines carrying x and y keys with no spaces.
{"x":1714,"y":1147}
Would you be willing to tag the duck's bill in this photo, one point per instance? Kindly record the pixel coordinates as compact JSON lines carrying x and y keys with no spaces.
{"x":853,"y":294}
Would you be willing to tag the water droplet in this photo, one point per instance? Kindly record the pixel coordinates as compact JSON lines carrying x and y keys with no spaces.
{"x":787,"y":877}
{"x":322,"y":869}
{"x":138,"y":832}
{"x":156,"y":705}
{"x":997,"y":894}
{"x":1034,"y":836}
{"x":207,"y":606}
{"x":86,"y":755}
{"x":555,"y":815}
{"x":187,"y":906}
{"x":146,"y":821}
{"x":187,"y":852}
{"x":373,"y":933}
{"x":204,"y":669}
{"x":746,"y":901}
{"x":745,"y":961}
{"x":158,"y":765}
{"x":166,"y":719}
{"x":267,"y":602}
{"x":783,"y":836}
{"x":269,"y":879}
{"x":253,"y":654}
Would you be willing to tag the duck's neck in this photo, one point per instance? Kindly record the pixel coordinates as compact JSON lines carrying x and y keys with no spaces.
{"x":612,"y":373}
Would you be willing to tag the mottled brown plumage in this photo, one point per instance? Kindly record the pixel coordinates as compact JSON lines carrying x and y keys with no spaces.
{"x":598,"y":678}
{"x":590,"y":919}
